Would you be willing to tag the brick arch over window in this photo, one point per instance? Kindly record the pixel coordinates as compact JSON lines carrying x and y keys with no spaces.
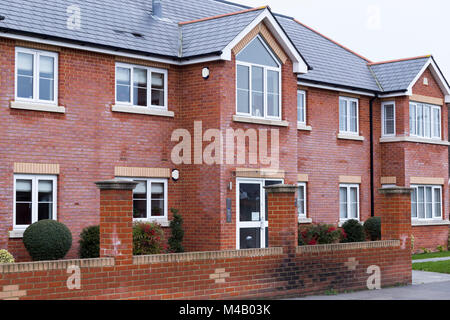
{"x":264,"y":32}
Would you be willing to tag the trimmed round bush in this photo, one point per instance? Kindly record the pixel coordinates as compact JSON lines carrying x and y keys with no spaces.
{"x":6,"y":257}
{"x":90,"y":243}
{"x":373,"y":228}
{"x":47,"y":240}
{"x":354,"y":231}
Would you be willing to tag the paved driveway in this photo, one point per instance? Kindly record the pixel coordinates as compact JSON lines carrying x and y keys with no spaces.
{"x":426,"y":286}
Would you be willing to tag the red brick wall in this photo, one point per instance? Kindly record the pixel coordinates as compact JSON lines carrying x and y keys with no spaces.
{"x":430,"y":237}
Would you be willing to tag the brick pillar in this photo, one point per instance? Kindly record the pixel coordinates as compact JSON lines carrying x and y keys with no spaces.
{"x":283,"y":217}
{"x":396,"y":215}
{"x":116,"y":220}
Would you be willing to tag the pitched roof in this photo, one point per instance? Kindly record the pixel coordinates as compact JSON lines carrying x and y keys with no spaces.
{"x":397,"y":75}
{"x":127,"y":25}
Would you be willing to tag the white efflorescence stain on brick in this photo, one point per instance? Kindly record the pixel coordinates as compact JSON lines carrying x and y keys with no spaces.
{"x":219,"y":275}
{"x":373,"y":17}
{"x":374,"y":281}
{"x":74,"y":280}
{"x":74,"y":17}
{"x":351,"y":264}
{"x":12,"y":292}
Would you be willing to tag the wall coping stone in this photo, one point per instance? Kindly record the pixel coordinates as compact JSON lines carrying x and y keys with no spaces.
{"x":55,"y":265}
{"x":116,"y":184}
{"x":281,"y":188}
{"x":207,"y":255}
{"x":348,"y":246}
{"x":395,"y":190}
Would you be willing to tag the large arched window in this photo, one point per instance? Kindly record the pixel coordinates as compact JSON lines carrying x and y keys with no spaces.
{"x":258,"y":79}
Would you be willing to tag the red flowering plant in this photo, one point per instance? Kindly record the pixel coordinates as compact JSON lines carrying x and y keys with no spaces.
{"x":319,"y":234}
{"x":148,"y":238}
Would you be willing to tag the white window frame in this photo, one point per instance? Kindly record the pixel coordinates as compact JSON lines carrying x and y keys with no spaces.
{"x":36,"y":56}
{"x":265,"y":69}
{"x":302,"y":94}
{"x":34,"y":197}
{"x":149,"y":86}
{"x":149,"y":181}
{"x":305,"y":206}
{"x":348,"y":187}
{"x":434,"y":217}
{"x":432,"y":123}
{"x":349,"y":100}
{"x":383,"y":115}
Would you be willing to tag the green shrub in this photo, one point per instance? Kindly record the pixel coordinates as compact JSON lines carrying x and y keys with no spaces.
{"x":47,"y":240}
{"x":354,"y":231}
{"x":318,"y":234}
{"x":372,"y":227}
{"x":148,"y":238}
{"x":90,"y":243}
{"x":177,"y":233}
{"x":6,"y":257}
{"x":440,"y":248}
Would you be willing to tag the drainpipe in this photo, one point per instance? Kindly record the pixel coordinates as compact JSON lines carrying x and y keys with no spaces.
{"x":372,"y":171}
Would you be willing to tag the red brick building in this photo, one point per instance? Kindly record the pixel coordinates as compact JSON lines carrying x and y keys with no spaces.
{"x":82,"y":101}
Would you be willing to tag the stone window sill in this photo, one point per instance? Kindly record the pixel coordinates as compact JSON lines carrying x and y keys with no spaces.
{"x":162,"y":223}
{"x":31,"y":106}
{"x":304,"y":220}
{"x":414,"y":139}
{"x":303,"y":127}
{"x":16,"y":234}
{"x":277,"y":123}
{"x":149,"y":111}
{"x":424,"y":223}
{"x":344,"y":136}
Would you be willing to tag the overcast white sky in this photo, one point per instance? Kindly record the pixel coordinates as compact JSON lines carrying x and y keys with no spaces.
{"x":377,"y":29}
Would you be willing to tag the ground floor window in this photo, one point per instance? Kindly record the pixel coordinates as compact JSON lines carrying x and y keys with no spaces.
{"x":149,"y":199}
{"x":426,"y":202}
{"x":34,"y":199}
{"x":301,"y":201}
{"x":349,"y":202}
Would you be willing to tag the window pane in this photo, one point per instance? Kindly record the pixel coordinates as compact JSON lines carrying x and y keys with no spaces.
{"x":23,"y":202}
{"x":354,"y":117}
{"x":257,"y":53}
{"x":140,"y":87}
{"x":273,"y":93}
{"x":258,"y":91}
{"x":436,"y":123}
{"x":421,"y":202}
{"x":414,"y":203}
{"x":158,"y":89}
{"x":123,"y":84}
{"x":25,"y":65}
{"x":45,"y":211}
{"x":301,"y":200}
{"x":157,"y":199}
{"x":429,"y":202}
{"x":140,"y":200}
{"x":343,"y":202}
{"x":354,"y":203}
{"x":437,"y":203}
{"x":46,"y":78}
{"x":243,"y":89}
{"x":389,"y":122}
{"x":301,"y":107}
{"x":45,"y":191}
{"x":412,"y":119}
{"x":420,"y":120}
{"x":427,"y":121}
{"x":342,"y":115}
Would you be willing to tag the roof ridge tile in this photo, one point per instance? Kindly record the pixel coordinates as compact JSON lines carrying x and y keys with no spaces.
{"x":222,"y":15}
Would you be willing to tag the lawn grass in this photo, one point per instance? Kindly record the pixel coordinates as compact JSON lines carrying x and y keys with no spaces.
{"x":431,"y":255}
{"x":438,"y":266}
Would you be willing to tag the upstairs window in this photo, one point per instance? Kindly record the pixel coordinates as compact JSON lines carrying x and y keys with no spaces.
{"x":426,"y":202}
{"x":258,"y":81}
{"x":348,"y":116}
{"x":388,"y":118}
{"x":36,"y":76}
{"x":301,"y":107}
{"x":425,"y":120}
{"x":141,"y":86}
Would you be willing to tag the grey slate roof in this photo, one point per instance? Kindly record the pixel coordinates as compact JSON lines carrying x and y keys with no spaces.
{"x":112,"y":23}
{"x":398,"y":75}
